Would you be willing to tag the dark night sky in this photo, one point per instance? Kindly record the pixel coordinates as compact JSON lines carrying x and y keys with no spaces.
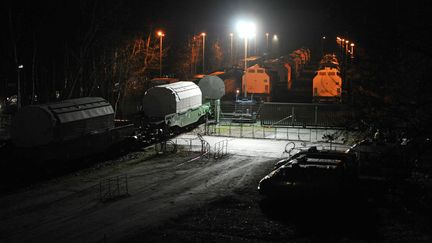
{"x":298,"y":22}
{"x":377,"y":27}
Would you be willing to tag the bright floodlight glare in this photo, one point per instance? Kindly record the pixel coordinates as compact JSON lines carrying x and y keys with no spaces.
{"x":275,"y":37}
{"x":246,"y":29}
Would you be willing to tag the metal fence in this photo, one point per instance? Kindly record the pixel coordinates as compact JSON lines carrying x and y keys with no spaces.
{"x":290,"y":114}
{"x":220,"y":149}
{"x":194,"y":145}
{"x":256,"y":130}
{"x":114,"y":187}
{"x":202,"y":147}
{"x":5,"y":123}
{"x":303,"y":114}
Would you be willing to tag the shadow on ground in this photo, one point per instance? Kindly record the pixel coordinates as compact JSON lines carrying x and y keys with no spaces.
{"x":325,"y":218}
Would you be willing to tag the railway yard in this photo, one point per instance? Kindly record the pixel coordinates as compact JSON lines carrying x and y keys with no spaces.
{"x":145,"y":196}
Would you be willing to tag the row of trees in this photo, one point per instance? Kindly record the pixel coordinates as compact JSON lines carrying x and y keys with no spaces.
{"x":90,"y":55}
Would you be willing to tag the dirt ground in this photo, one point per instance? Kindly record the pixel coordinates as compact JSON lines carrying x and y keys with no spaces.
{"x":171,"y":198}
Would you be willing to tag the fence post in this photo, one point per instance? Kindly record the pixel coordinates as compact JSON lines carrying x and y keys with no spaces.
{"x":118,"y":186}
{"x":316,"y":115}
{"x":253,"y":130}
{"x":292,"y":116}
{"x":100,"y":190}
{"x":127,"y":187}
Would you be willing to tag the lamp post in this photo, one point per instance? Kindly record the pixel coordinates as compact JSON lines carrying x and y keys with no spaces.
{"x":267,"y":35}
{"x":275,"y":45}
{"x":342,"y":45}
{"x":161,"y":35}
{"x":255,"y":45}
{"x":203,"y":36}
{"x":231,"y":48}
{"x":19,"y":68}
{"x":246,"y":30}
{"x":352,"y":50}
{"x":322,"y":45}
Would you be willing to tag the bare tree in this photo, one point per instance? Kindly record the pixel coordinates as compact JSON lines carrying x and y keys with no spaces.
{"x":14,"y":35}
{"x":218,"y":57}
{"x":132,"y":64}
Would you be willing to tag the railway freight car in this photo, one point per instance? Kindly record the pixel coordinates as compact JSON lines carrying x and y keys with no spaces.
{"x":172,"y":108}
{"x":65,"y":130}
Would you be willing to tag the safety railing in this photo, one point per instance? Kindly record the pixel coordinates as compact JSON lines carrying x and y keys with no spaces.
{"x":220,"y":149}
{"x":112,"y":188}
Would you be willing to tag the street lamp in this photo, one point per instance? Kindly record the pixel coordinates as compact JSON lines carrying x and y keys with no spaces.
{"x":275,"y":45}
{"x":267,"y":35}
{"x":246,"y":30}
{"x":161,"y":35}
{"x":322,"y":44}
{"x":255,"y":45}
{"x":352,"y":50}
{"x":231,"y":48}
{"x":346,"y":48}
{"x":203,"y":36}
{"x":20,"y":67}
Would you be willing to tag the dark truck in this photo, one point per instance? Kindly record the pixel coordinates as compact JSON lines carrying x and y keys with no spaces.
{"x":311,"y":173}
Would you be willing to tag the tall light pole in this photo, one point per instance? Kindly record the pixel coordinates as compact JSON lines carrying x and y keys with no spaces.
{"x":352,"y":50}
{"x":255,"y":45}
{"x":339,"y":42}
{"x":231,"y":49}
{"x":203,"y":36}
{"x":246,"y":30}
{"x":275,"y":45}
{"x":267,"y":35}
{"x":322,"y":45}
{"x":161,"y":35}
{"x":346,"y":46}
{"x":19,"y":68}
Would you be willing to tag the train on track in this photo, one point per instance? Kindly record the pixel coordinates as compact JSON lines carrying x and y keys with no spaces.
{"x":78,"y":128}
{"x":264,"y":76}
{"x":327,"y":83}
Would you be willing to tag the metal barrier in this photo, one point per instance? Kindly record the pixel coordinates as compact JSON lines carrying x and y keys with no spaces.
{"x":220,"y":149}
{"x":5,"y":121}
{"x":193,"y":145}
{"x":291,"y":114}
{"x":166,"y":146}
{"x":113,"y":187}
{"x":256,"y":130}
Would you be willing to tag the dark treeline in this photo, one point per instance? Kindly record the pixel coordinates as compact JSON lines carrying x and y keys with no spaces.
{"x":72,"y":49}
{"x":391,"y":80}
{"x":66,"y":48}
